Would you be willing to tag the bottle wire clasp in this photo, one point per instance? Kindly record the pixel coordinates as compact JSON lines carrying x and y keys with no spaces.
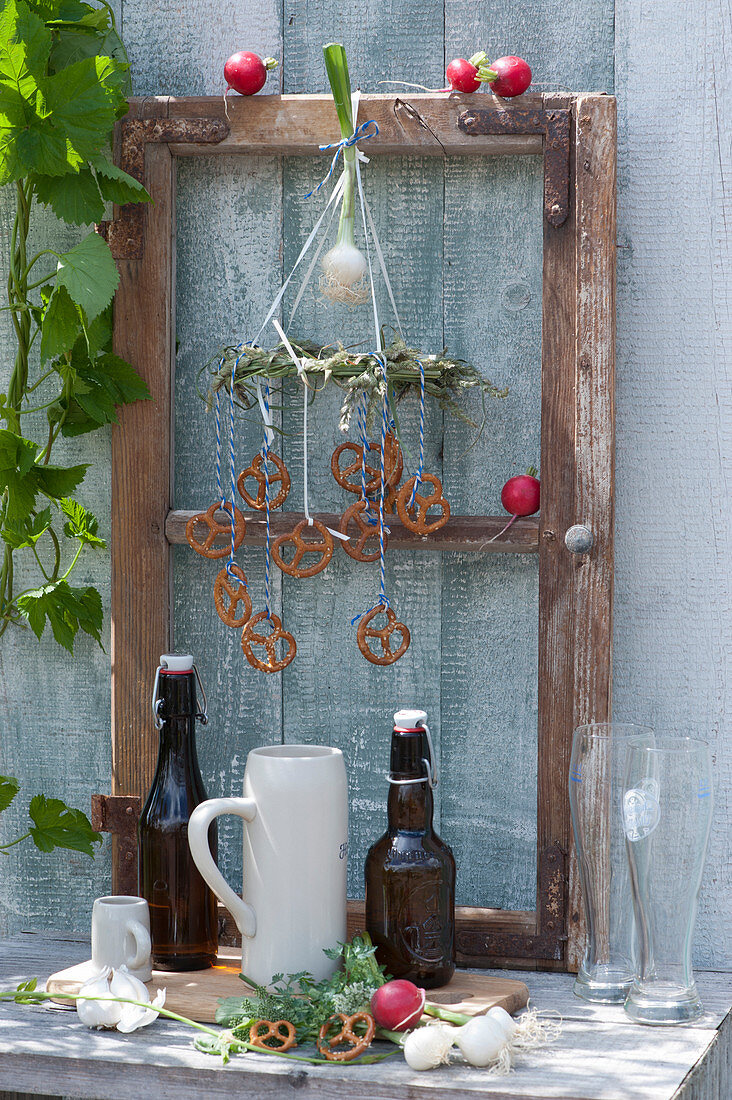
{"x":201,"y":715}
{"x":430,"y":776}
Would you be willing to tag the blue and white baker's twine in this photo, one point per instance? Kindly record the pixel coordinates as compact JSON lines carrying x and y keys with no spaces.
{"x":420,"y":468}
{"x":363,"y":132}
{"x":383,"y":600}
{"x":217,"y":409}
{"x":265,"y":459}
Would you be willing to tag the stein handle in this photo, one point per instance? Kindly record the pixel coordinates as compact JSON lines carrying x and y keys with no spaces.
{"x":201,"y":818}
{"x":142,"y":946}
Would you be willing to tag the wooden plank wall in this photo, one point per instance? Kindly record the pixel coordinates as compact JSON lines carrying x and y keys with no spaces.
{"x":671,"y":597}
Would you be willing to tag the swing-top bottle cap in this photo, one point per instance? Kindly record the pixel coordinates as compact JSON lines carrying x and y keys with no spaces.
{"x":176,"y":662}
{"x":409,"y":719}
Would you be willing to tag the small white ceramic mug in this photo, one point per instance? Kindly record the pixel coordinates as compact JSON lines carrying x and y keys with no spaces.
{"x":121,"y":935}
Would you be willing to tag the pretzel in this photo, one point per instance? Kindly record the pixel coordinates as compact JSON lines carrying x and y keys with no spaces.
{"x":251,"y":637}
{"x":422,"y":504}
{"x":259,"y":1038}
{"x":256,"y":471}
{"x":207,"y":548}
{"x":393,"y":466}
{"x":356,"y":1044}
{"x":237,"y":593}
{"x":393,"y":625}
{"x":322,"y":546}
{"x":356,"y":513}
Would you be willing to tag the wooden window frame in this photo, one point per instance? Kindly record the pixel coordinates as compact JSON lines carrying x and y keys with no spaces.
{"x":577,"y":136}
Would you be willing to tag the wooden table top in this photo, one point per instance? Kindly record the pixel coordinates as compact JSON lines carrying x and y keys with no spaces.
{"x":600,"y":1055}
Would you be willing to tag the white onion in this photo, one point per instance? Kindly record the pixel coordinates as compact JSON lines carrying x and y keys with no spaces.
{"x":429,"y":1046}
{"x":504,"y":1021}
{"x":480,"y":1041}
{"x":345,"y":264}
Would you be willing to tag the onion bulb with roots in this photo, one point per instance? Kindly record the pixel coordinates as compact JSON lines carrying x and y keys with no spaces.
{"x":344,"y":277}
{"x":428,"y":1047}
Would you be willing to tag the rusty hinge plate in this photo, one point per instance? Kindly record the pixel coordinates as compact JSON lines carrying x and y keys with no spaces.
{"x":554,"y":125}
{"x":119,"y":814}
{"x":124,"y":235}
{"x":549,"y":939}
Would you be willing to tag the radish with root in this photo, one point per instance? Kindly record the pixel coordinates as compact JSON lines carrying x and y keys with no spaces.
{"x":520,"y":496}
{"x":398,"y":1005}
{"x":246,"y":72}
{"x":506,"y":76}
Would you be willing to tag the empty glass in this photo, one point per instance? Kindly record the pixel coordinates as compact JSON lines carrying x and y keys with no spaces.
{"x":596,"y":775}
{"x":667,"y":813}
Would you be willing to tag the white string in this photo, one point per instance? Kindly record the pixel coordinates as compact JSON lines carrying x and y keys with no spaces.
{"x":266,"y":414}
{"x":335,"y":194}
{"x":302,"y":375}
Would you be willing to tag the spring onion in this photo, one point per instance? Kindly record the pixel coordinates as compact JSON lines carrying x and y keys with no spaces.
{"x":344,"y":277}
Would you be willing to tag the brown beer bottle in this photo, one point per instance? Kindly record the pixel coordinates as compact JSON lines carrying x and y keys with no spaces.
{"x":410,"y":872}
{"x":183,"y":912}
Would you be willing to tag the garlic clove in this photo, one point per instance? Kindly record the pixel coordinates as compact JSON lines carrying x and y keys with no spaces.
{"x":124,"y":984}
{"x":345,"y":264}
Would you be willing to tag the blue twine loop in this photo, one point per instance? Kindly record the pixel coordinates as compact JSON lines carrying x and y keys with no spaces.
{"x":368,"y":513}
{"x":217,"y":410}
{"x":232,"y":471}
{"x":420,"y":467}
{"x":267,"y":549}
{"x":361,"y":133}
{"x":383,"y":600}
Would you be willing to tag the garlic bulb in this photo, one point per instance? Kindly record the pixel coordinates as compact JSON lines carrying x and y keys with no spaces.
{"x":114,"y":990}
{"x":429,"y":1046}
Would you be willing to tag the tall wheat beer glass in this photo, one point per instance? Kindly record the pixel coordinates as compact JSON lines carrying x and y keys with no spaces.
{"x":667,"y":814}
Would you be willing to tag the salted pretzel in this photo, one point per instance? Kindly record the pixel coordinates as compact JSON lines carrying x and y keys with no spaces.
{"x":269,"y":1035}
{"x":321,"y":544}
{"x":352,"y":1044}
{"x":414,"y":515}
{"x":356,"y":547}
{"x":251,"y":637}
{"x":206,"y":547}
{"x":393,"y":626}
{"x":279,"y":475}
{"x":229,"y":593}
{"x":349,"y":477}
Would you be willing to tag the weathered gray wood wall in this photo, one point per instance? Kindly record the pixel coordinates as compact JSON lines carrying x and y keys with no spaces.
{"x":462,"y":240}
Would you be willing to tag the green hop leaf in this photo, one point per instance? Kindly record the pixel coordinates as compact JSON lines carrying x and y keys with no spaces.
{"x":60,"y":326}
{"x":28,"y":532}
{"x":58,"y":826}
{"x":59,"y":481}
{"x":25,"y":44}
{"x":115,"y":184}
{"x":67,"y":609}
{"x":81,"y":524}
{"x":74,"y":198}
{"x":8,"y":790}
{"x":89,"y":274}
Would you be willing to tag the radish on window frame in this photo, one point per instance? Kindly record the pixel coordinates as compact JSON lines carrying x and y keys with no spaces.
{"x":520,"y":496}
{"x":506,"y":76}
{"x":246,"y":72}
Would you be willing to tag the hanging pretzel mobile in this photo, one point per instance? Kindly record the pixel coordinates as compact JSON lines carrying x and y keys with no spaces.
{"x":371,"y":471}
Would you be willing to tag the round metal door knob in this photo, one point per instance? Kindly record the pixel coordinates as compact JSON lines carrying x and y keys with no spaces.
{"x":578,"y":539}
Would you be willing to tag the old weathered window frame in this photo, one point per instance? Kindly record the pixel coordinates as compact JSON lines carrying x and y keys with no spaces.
{"x":576,"y":134}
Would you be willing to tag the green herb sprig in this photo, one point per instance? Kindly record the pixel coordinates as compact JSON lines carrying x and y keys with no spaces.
{"x":307,"y":1004}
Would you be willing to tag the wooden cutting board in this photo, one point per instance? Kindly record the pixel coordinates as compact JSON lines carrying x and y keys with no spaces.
{"x":196,"y":993}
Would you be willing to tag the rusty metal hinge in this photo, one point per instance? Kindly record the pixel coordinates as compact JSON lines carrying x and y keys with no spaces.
{"x":124,"y":234}
{"x":548,"y":940}
{"x":554,"y":126}
{"x":118,"y":814}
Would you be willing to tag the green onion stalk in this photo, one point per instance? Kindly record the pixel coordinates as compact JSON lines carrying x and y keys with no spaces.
{"x":344,"y":277}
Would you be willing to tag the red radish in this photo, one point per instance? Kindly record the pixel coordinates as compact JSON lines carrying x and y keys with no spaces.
{"x":520,"y":496}
{"x":398,"y":1005}
{"x":462,"y":75}
{"x":246,"y":72}
{"x":513,"y":77}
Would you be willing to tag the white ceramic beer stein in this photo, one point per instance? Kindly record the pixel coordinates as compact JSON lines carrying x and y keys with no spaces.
{"x":295,"y":812}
